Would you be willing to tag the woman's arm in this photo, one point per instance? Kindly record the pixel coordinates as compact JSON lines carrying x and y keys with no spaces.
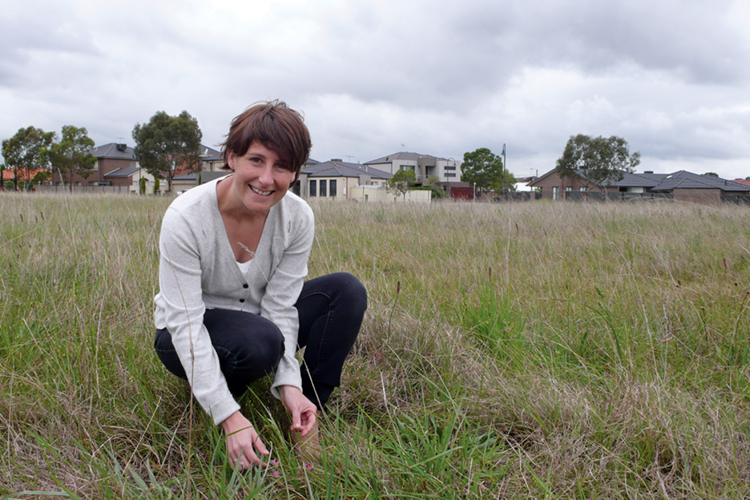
{"x":283,"y":289}
{"x":181,"y":300}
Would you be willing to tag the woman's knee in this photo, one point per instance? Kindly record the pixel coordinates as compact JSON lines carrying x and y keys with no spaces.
{"x":350,"y":291}
{"x":264,"y":347}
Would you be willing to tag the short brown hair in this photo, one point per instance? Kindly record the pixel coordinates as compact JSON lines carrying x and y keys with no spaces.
{"x":274,"y":125}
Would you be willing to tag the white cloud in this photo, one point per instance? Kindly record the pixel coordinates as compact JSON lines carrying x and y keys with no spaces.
{"x":439,"y":77}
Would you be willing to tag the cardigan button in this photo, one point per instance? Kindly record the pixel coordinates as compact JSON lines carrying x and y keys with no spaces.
{"x":245,"y":285}
{"x":242,"y":300}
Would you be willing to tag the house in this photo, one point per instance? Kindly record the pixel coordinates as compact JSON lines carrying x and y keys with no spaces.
{"x":424,"y":166}
{"x":679,"y":186}
{"x":694,"y":188}
{"x":131,"y":177}
{"x":336,"y":179}
{"x":109,"y":157}
{"x":24,"y":176}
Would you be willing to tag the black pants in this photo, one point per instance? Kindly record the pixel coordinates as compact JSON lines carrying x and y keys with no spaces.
{"x":330,"y":311}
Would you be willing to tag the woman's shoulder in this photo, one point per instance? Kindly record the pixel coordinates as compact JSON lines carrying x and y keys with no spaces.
{"x":197,"y":199}
{"x":296,"y":207}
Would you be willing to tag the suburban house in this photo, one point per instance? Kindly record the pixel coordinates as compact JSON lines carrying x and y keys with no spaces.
{"x":130,"y":177}
{"x":337,"y":180}
{"x":109,"y":157}
{"x":424,"y":166}
{"x":212,"y":162}
{"x":678,"y":186}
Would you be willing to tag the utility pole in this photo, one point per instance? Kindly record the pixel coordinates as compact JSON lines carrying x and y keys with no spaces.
{"x":505,"y":169}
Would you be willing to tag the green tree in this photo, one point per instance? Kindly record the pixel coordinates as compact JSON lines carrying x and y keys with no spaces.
{"x":485,"y":169}
{"x":168,"y":143}
{"x":711,"y":174}
{"x":41,"y":176}
{"x":27,"y":151}
{"x":71,"y":155}
{"x":598,"y":160}
{"x":401,"y":182}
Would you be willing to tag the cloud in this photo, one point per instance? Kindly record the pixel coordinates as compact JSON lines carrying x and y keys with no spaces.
{"x":440,"y":77}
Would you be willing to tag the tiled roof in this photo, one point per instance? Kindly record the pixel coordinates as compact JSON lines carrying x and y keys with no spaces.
{"x":404,"y":155}
{"x":122,"y":172}
{"x":688,"y":180}
{"x":113,"y":150}
{"x":335,"y":168}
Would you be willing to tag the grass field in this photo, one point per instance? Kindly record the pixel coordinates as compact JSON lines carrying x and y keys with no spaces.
{"x":538,"y":350}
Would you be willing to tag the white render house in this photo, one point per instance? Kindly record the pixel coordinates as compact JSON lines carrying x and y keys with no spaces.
{"x":423,"y":166}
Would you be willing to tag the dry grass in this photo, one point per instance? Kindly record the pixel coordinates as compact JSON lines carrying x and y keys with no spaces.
{"x":515,"y":350}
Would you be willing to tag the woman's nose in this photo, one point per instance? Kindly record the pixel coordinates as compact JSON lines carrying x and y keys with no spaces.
{"x":266,"y":175}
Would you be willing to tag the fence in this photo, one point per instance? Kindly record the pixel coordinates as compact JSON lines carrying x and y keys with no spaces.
{"x":84,"y":189}
{"x":616,"y":196}
{"x":737,"y":199}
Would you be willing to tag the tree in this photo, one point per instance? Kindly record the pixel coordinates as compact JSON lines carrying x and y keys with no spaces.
{"x":71,"y":155}
{"x":401,"y":182}
{"x":41,"y":176}
{"x":27,"y":151}
{"x":167,"y":143}
{"x":711,"y":174}
{"x":485,"y":169}
{"x":599,"y":160}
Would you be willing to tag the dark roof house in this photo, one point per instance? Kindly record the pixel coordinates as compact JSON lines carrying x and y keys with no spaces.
{"x":680,"y":186}
{"x":336,"y":178}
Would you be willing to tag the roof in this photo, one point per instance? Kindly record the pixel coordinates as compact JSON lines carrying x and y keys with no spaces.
{"x":404,"y":155}
{"x":113,"y":150}
{"x":186,"y":177}
{"x":335,"y":168}
{"x":122,"y":172}
{"x":648,"y":180}
{"x":666,"y":182}
{"x":746,"y":182}
{"x":210,"y":154}
{"x":688,"y":180}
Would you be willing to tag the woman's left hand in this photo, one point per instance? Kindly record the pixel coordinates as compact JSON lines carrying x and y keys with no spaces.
{"x":302,"y":409}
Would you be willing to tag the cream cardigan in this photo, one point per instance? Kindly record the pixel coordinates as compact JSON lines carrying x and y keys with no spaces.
{"x":198,"y":271}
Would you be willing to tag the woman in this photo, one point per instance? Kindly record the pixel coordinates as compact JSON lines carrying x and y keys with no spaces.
{"x":233,"y":305}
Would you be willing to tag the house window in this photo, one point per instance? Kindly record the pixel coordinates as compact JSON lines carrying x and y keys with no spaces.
{"x":568,"y":189}
{"x":450,"y":167}
{"x":313,"y":188}
{"x":332,"y":188}
{"x":323,"y":188}
{"x":583,"y":189}
{"x":407,"y":167}
{"x":555,"y":192}
{"x":450,"y":175}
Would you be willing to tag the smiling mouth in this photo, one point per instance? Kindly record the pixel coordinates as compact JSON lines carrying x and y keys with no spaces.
{"x":258,"y":191}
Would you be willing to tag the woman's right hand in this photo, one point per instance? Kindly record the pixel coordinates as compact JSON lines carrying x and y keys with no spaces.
{"x":242,"y":442}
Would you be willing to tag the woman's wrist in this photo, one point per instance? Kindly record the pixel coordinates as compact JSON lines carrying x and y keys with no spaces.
{"x":235,"y":422}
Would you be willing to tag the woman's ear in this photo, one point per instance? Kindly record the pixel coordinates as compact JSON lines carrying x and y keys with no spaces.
{"x":296,"y":178}
{"x":230,"y":160}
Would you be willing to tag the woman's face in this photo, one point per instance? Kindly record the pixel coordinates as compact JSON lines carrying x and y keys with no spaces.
{"x":260,"y":180}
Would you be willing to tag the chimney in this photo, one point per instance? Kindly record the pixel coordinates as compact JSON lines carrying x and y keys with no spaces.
{"x":121,"y":146}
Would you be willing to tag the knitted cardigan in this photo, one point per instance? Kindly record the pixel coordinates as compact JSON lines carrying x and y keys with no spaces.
{"x":198,"y":271}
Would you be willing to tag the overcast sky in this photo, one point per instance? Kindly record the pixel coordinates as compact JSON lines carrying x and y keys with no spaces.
{"x":374,"y":77}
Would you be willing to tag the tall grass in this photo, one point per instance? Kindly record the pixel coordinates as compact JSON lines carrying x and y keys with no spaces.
{"x":512,"y":350}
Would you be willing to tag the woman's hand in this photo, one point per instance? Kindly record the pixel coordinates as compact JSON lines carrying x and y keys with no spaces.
{"x":241,"y":438}
{"x":302,"y":409}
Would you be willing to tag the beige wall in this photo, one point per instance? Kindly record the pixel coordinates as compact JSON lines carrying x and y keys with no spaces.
{"x":372,"y":194}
